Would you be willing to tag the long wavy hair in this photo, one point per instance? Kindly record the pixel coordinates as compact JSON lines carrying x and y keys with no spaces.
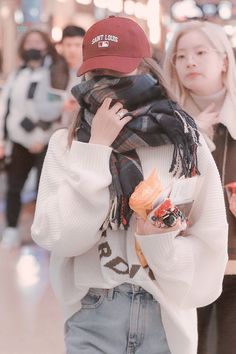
{"x":219,"y":41}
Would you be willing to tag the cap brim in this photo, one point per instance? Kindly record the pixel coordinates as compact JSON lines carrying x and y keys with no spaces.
{"x":120,"y":64}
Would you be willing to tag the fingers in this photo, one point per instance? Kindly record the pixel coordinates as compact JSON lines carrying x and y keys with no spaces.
{"x":116,"y":114}
{"x":126,"y":119}
{"x":117,"y":107}
{"x":106,"y":103}
{"x":121,"y":113}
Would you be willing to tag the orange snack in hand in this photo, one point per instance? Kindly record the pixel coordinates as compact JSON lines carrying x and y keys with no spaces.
{"x":145,"y":193}
{"x":141,"y":201}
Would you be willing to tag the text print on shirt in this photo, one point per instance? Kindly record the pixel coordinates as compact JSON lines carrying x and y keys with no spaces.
{"x":118,"y":264}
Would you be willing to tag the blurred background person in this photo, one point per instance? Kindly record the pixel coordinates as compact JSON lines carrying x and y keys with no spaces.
{"x":71,"y":50}
{"x":200,"y":67}
{"x":23,"y":124}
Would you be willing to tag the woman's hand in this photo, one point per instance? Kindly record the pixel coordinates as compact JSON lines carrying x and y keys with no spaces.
{"x":207,"y":118}
{"x":232,"y":204}
{"x":145,"y":227}
{"x":108,"y":122}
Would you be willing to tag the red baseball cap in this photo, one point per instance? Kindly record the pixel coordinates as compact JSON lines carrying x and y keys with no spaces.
{"x":115,"y":43}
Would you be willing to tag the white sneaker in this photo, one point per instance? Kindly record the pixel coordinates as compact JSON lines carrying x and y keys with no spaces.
{"x":10,"y":238}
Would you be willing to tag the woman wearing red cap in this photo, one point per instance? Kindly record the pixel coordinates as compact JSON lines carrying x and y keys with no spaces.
{"x":127,"y":126}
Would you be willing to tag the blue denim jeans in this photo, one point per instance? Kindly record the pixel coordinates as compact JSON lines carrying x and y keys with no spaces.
{"x":122,"y":320}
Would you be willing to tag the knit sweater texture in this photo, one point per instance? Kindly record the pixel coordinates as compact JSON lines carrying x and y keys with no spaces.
{"x":73,"y":201}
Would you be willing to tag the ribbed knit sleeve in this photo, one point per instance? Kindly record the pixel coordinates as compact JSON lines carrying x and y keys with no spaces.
{"x":189,"y":269}
{"x":73,"y":197}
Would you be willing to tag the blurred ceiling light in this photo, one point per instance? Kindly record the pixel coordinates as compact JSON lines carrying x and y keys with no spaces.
{"x":19,"y":17}
{"x":4,"y":11}
{"x":101,"y":3}
{"x":140,"y":10}
{"x":153,"y":12}
{"x":225,"y":10}
{"x":153,"y":21}
{"x":154,"y":36}
{"x":185,"y":9}
{"x":84,"y":2}
{"x":56,"y":33}
{"x":129,"y":7}
{"x":115,"y":6}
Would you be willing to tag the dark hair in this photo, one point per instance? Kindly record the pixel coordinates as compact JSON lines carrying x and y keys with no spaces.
{"x":50,"y":47}
{"x":73,"y":31}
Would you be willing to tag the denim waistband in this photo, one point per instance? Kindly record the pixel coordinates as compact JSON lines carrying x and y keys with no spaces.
{"x":130,"y":288}
{"x":125,"y":288}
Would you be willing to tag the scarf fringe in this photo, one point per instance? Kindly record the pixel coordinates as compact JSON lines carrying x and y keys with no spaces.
{"x":186,"y":154}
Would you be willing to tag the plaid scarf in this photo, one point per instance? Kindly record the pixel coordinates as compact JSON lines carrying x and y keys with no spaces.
{"x":156,"y":121}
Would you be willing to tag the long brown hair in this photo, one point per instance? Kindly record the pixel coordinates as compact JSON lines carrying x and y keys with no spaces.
{"x":147,"y":66}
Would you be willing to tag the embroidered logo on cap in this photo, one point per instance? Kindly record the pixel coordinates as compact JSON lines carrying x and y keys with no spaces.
{"x":103,"y":44}
{"x":103,"y":40}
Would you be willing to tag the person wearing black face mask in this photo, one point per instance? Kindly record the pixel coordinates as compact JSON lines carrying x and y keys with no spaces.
{"x":33,"y":55}
{"x":23,"y":124}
